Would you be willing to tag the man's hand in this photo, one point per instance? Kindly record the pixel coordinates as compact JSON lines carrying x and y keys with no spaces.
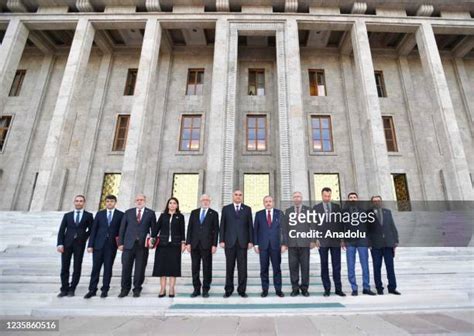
{"x":222,"y":245}
{"x":284,"y":248}
{"x":120,"y":248}
{"x":188,"y":248}
{"x":183,"y":247}
{"x":214,"y":249}
{"x":90,"y":250}
{"x":257,"y":250}
{"x":60,"y":249}
{"x":343,"y":246}
{"x":249,"y":246}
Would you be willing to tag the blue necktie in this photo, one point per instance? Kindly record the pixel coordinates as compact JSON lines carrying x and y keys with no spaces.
{"x":203,"y":215}
{"x":109,"y":217}
{"x":77,"y":217}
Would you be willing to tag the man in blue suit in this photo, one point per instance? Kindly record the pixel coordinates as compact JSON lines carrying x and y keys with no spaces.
{"x":103,"y":245}
{"x":267,"y":237}
{"x":72,"y":237}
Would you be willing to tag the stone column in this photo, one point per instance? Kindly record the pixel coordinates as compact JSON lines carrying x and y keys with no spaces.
{"x":47,"y":190}
{"x":378,"y":170}
{"x":133,"y":168}
{"x":456,"y":177}
{"x":292,"y":120}
{"x":466,"y":87}
{"x":11,"y":51}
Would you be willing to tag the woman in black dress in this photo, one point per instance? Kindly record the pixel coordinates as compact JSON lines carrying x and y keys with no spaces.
{"x":170,"y":230}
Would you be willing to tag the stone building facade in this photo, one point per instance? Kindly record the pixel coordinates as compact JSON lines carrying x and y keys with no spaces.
{"x":166,"y":97}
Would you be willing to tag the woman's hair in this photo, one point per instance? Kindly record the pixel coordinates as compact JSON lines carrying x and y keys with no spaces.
{"x":167,"y":210}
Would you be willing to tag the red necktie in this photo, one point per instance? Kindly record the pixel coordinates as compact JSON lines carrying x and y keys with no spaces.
{"x":139,"y":216}
{"x":269,"y":218}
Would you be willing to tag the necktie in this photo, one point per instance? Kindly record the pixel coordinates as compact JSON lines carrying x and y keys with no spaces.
{"x":326,"y":207}
{"x":237,"y":210}
{"x":139,"y":216}
{"x":78,"y":213}
{"x":380,"y":216}
{"x":203,"y":215}
{"x":109,"y":217}
{"x":269,"y":218}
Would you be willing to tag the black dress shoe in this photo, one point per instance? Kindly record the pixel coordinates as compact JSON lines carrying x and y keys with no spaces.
{"x":279,"y":293}
{"x":195,"y":294}
{"x":295,"y":292}
{"x":264,"y":293}
{"x":171,"y":295}
{"x":136,"y":294}
{"x":89,"y":295}
{"x":340,"y":293}
{"x":368,"y":292}
{"x":394,"y":291}
{"x":227,"y":294}
{"x":62,"y":294}
{"x":326,"y":293}
{"x":123,"y":293}
{"x":104,"y":294}
{"x":205,"y":294}
{"x":162,"y":295}
{"x":244,"y":295}
{"x":379,"y":291}
{"x":70,"y":293}
{"x":354,"y":293}
{"x":305,"y":292}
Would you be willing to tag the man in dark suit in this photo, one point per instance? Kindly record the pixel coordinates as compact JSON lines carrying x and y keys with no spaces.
{"x":103,"y":245}
{"x":383,"y":237}
{"x":72,"y":237}
{"x":134,"y":229}
{"x":267,"y":237}
{"x":331,"y":245}
{"x":236,"y":236}
{"x":298,"y":248}
{"x":201,"y":242}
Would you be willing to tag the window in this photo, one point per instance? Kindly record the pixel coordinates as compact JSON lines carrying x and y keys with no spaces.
{"x":5,"y":122}
{"x":17,"y":83}
{"x":256,"y":187}
{"x":317,"y":83}
{"x":131,"y":80}
{"x":186,"y":189}
{"x":110,"y":186}
{"x":190,"y":136}
{"x":195,"y":82}
{"x":321,"y":133}
{"x":400,"y":191}
{"x":256,"y":132}
{"x":256,"y":82}
{"x":121,"y":131}
{"x":381,"y":91}
{"x":389,"y":131}
{"x":327,"y":180}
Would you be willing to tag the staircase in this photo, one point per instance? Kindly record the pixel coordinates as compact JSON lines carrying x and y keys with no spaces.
{"x":430,"y":279}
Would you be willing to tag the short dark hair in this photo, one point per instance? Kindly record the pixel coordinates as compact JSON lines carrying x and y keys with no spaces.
{"x":82,"y":196}
{"x":375,"y":196}
{"x":167,"y":210}
{"x":352,"y":193}
{"x":111,"y":197}
{"x":326,"y":189}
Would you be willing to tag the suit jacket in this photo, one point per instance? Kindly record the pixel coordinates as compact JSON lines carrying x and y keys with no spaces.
{"x":69,"y":231}
{"x":361,"y":227}
{"x":329,"y":225}
{"x":385,"y":234}
{"x":131,"y":230}
{"x":204,"y":234}
{"x":267,"y":236}
{"x":163,"y":227}
{"x":299,"y":227}
{"x":101,"y":231}
{"x":236,"y":228}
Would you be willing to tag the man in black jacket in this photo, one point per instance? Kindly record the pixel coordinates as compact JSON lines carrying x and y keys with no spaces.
{"x":383,"y":237}
{"x":72,"y":237}
{"x":201,"y":242}
{"x":103,"y":245}
{"x":236,"y":236}
{"x":134,"y":229}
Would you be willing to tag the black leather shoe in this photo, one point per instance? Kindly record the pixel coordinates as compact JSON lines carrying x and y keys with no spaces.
{"x":123,"y":293}
{"x":104,"y":294}
{"x":326,"y":293}
{"x":379,"y":291}
{"x":395,"y":292}
{"x":264,"y":293}
{"x":355,"y":293}
{"x":195,"y":294}
{"x":244,"y":295}
{"x":136,"y":294}
{"x":171,"y":295}
{"x":162,"y":295}
{"x":227,"y":294}
{"x":279,"y":293}
{"x":368,"y":292}
{"x":205,"y":294}
{"x":340,"y":293}
{"x":62,"y":294}
{"x":305,"y":292}
{"x":89,"y":295}
{"x":70,"y":293}
{"x":295,"y":292}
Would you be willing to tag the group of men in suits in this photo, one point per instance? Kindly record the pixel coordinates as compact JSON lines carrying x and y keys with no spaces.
{"x":268,"y":234}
